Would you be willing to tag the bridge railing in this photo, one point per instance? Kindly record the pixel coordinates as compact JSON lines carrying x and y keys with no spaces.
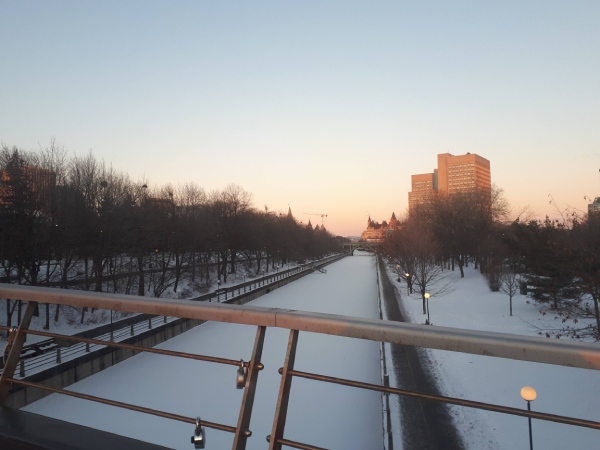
{"x":571,"y":354}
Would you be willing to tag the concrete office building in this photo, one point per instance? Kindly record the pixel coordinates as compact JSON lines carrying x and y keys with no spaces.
{"x":454,"y":174}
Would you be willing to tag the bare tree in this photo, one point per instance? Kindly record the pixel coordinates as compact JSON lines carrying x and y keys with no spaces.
{"x":509,"y":284}
{"x":416,"y":247}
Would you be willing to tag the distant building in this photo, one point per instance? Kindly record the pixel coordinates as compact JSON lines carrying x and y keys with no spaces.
{"x":594,"y":210}
{"x":424,"y":189}
{"x":454,"y":174}
{"x":378,"y":231}
{"x":38,"y":183}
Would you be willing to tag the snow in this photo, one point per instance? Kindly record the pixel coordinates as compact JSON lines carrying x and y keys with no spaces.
{"x":319,"y":413}
{"x":336,"y":416}
{"x":560,"y":390}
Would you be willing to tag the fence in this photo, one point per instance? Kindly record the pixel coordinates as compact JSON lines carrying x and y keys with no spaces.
{"x":571,"y":354}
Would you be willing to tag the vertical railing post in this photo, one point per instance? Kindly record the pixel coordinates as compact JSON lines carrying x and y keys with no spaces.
{"x":15,"y":352}
{"x":284,"y":393}
{"x":243,"y":432}
{"x":390,"y":440}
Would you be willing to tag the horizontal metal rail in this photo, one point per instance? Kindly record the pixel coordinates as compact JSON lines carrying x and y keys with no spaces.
{"x":451,"y":400}
{"x":535,"y":349}
{"x":33,"y":363}
{"x":295,"y":444}
{"x":228,"y":292}
{"x":166,"y":415}
{"x":572,"y":354}
{"x":158,"y":351}
{"x":137,"y":322}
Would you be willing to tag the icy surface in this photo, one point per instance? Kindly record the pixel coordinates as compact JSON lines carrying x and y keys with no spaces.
{"x":321,"y":414}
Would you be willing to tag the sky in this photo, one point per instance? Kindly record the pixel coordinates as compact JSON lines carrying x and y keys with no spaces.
{"x":326,"y":107}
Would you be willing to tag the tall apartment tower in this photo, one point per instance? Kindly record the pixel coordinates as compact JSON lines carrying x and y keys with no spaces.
{"x":462,"y":173}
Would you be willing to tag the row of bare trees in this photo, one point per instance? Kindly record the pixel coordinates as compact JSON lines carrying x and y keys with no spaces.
{"x":557,"y":260}
{"x":445,"y":234}
{"x":77,"y":220}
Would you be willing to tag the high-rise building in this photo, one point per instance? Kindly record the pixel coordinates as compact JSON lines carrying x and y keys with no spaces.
{"x":594,"y":210}
{"x":454,"y":174}
{"x":424,"y":187}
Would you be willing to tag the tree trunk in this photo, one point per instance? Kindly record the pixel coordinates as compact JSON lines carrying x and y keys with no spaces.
{"x":8,"y":314}
{"x":63,"y":279}
{"x":47,"y":324}
{"x":595,"y":297}
{"x":141,"y":282}
{"x":223,"y":268}
{"x":97,"y":270}
{"x":258,"y":260}
{"x":193,"y":266}
{"x":48,"y":272}
{"x":178,"y":262}
{"x":86,"y":277}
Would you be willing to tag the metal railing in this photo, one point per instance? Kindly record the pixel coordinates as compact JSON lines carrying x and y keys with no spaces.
{"x":571,"y":354}
{"x":55,"y":353}
{"x":47,"y":353}
{"x":267,"y":278}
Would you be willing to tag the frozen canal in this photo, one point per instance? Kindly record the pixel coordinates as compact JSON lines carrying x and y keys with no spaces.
{"x":320,"y":414}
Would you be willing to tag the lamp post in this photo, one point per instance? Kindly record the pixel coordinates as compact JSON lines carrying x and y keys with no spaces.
{"x":398,"y":271}
{"x":427,"y":299}
{"x":407,"y":283}
{"x":528,"y":393}
{"x":218,"y":290}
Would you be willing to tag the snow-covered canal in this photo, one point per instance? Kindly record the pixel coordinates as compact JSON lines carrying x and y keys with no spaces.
{"x":320,"y":414}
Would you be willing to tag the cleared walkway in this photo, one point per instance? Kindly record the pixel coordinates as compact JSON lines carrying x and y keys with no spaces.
{"x":426,"y":425}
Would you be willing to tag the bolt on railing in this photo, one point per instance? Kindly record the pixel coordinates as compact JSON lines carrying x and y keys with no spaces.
{"x":572,"y":354}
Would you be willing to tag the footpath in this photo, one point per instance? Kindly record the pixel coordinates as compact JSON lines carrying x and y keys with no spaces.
{"x":426,"y":425}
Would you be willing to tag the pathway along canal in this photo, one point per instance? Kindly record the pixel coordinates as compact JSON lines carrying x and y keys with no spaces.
{"x":426,"y":425}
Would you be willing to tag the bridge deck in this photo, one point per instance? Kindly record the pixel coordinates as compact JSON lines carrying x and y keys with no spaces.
{"x":22,"y":430}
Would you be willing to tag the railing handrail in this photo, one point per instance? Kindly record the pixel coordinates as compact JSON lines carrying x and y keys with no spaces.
{"x":526,"y":348}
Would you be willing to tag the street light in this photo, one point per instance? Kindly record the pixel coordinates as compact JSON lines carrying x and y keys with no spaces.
{"x":427,"y":299}
{"x":218,"y":290}
{"x":528,"y":393}
{"x":407,"y":283}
